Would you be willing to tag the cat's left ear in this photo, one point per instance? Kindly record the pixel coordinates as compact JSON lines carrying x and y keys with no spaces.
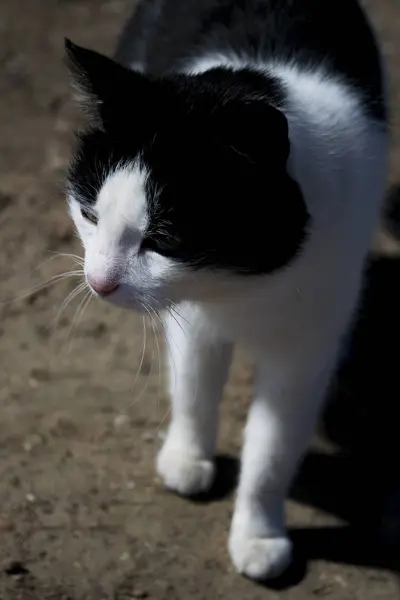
{"x":103,"y":85}
{"x":255,"y":130}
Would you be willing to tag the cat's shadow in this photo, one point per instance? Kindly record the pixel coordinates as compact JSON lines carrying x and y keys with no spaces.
{"x":359,"y":483}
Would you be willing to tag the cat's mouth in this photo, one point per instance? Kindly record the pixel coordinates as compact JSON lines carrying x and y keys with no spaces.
{"x":124,"y":295}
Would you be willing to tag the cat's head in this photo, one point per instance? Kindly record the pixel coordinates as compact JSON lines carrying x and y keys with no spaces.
{"x":178,"y":188}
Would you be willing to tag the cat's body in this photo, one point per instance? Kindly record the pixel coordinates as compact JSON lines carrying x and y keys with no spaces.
{"x":241,"y":183}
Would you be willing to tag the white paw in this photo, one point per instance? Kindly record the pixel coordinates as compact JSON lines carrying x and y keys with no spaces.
{"x":185,"y":474}
{"x":260,"y":558}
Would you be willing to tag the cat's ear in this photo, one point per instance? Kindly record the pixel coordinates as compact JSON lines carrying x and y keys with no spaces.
{"x":256,"y":133}
{"x":255,"y":130}
{"x":102,"y":85}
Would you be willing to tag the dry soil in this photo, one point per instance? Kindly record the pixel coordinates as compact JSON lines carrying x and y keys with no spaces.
{"x":82,"y":514}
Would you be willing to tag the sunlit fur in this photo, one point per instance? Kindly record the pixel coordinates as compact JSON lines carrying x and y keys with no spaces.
{"x":291,"y":320}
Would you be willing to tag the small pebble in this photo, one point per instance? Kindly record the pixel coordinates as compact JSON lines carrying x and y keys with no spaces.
{"x":139,"y":594}
{"x":30,"y":497}
{"x":121,"y":420}
{"x":342,"y":582}
{"x":124,"y":556}
{"x":31,"y":442}
{"x":40,"y":374}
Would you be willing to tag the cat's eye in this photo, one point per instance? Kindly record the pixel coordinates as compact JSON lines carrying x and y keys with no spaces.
{"x":89,"y":216}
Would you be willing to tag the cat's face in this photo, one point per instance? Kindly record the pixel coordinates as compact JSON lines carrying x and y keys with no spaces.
{"x":179,"y":189}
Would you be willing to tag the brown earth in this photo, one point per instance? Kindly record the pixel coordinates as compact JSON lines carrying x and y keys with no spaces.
{"x":82,"y":515}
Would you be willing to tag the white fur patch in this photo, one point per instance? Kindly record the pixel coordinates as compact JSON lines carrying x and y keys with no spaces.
{"x":122,"y":219}
{"x":122,"y":200}
{"x":113,"y":245}
{"x":292,"y":322}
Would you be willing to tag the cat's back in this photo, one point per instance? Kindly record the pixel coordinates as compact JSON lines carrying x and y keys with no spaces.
{"x":168,"y":35}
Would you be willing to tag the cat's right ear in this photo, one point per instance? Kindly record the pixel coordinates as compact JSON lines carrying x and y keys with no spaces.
{"x":101,"y":84}
{"x":83,"y":65}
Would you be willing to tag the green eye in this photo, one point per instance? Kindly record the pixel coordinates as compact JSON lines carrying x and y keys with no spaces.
{"x":89,"y":216}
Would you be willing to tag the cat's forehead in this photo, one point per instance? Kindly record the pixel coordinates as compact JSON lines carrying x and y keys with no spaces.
{"x":118,"y":164}
{"x":122,"y":196}
{"x":101,"y":163}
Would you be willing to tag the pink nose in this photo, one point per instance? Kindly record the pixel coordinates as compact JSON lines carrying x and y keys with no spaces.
{"x":103,"y":288}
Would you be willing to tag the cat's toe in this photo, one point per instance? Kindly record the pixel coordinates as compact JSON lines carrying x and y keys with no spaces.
{"x":260,"y":558}
{"x":185,"y":474}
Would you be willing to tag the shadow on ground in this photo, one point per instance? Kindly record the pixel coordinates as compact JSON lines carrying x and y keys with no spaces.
{"x":360,"y":482}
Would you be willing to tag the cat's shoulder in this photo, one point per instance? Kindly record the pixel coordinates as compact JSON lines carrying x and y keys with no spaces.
{"x":336,"y":35}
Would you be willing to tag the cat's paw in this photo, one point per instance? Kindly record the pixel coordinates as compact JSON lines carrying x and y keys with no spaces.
{"x":185,"y":474}
{"x":260,"y":558}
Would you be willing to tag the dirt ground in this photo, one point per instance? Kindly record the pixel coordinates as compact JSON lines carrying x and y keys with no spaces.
{"x":82,"y":515}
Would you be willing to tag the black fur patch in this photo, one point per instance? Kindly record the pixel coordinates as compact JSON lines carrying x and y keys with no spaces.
{"x":216,"y":145}
{"x":215,"y":149}
{"x":163,"y":34}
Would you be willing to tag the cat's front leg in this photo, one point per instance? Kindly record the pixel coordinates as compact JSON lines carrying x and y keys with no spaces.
{"x":281,"y":420}
{"x":198,"y":364}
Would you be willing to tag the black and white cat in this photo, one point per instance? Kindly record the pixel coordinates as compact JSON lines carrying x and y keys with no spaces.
{"x":235,"y":167}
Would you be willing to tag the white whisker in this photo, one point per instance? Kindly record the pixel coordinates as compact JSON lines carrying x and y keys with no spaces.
{"x":144,"y":339}
{"x":154,"y":327}
{"x":77,"y":259}
{"x":171,"y":354}
{"x":84,"y":303}
{"x":161,"y":423}
{"x":136,"y":400}
{"x":42,"y":286}
{"x":75,"y":292}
